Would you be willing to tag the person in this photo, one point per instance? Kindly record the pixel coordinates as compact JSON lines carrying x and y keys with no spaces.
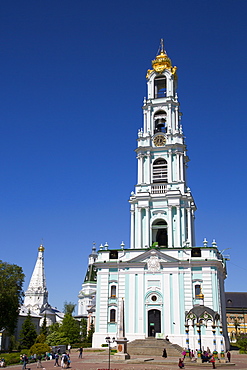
{"x":56,"y":360}
{"x":180,"y":364}
{"x":80,"y":352}
{"x":39,"y":357}
{"x":25,"y":361}
{"x":228,"y":355}
{"x":69,"y":348}
{"x":164,"y":353}
{"x":184,"y":353}
{"x":212,"y":360}
{"x":2,"y":362}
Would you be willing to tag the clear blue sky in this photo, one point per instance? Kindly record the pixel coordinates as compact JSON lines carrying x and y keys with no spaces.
{"x":72,"y":83}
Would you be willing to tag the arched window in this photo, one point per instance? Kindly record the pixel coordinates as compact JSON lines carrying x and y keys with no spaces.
{"x":160,"y":122}
{"x":113,"y":291}
{"x":112,"y":315}
{"x":160,"y":170}
{"x":160,"y":87}
{"x":159,"y":233}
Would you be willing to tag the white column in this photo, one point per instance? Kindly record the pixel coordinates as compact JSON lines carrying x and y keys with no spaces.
{"x":170,"y":166}
{"x":147,"y":227}
{"x":170,"y":227}
{"x":178,"y":227}
{"x":189,"y":225}
{"x":139,"y":231}
{"x":178,"y":165}
{"x":140,"y":168}
{"x":148,"y":179}
{"x":169,"y":121}
{"x":182,"y":167}
{"x":145,"y":121}
{"x":132,"y":226}
{"x":193,"y":228}
{"x":149,"y":127}
{"x":176,"y":118}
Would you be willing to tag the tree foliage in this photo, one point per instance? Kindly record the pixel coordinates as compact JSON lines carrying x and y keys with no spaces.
{"x":44,"y":329}
{"x":28,"y":333}
{"x":242,"y":343}
{"x":83,"y":325}
{"x":39,"y":348}
{"x":66,"y":332}
{"x":71,"y":328}
{"x":40,"y":338}
{"x":69,"y":307}
{"x":90,"y":334}
{"x":55,"y":338}
{"x":11,"y":295}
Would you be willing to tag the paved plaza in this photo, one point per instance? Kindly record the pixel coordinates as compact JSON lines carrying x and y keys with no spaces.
{"x":99,"y":361}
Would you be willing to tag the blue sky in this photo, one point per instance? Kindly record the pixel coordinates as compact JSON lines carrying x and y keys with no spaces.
{"x":72,"y":86}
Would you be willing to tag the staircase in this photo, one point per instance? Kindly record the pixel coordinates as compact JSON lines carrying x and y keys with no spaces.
{"x":153,"y":347}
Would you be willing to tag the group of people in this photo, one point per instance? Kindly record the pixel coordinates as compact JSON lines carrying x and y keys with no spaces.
{"x":65,"y":360}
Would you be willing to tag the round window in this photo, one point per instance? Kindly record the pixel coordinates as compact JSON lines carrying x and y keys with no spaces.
{"x":154,"y":298}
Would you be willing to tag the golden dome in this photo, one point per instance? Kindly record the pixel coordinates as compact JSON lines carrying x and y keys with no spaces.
{"x":41,"y":248}
{"x":161,"y":62}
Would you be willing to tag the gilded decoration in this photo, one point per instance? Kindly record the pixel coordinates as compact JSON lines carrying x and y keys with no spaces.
{"x":41,"y":248}
{"x":162,"y":62}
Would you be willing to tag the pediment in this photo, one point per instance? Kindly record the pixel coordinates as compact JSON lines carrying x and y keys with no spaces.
{"x":144,"y":257}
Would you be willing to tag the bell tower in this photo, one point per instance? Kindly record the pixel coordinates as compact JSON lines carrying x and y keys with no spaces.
{"x":162,"y":206}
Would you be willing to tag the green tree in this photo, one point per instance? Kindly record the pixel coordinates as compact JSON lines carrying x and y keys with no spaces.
{"x":242,"y":343}
{"x":44,"y":329}
{"x":236,"y":326}
{"x":55,"y":338}
{"x":11,"y":295}
{"x":39,"y":348}
{"x":69,"y":307}
{"x":83,"y":325}
{"x":40,"y":338}
{"x":28,"y":333}
{"x":90,"y":334}
{"x":71,"y":328}
{"x":54,"y":328}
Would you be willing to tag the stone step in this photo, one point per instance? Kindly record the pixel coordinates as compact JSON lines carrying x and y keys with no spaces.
{"x":153,"y":347}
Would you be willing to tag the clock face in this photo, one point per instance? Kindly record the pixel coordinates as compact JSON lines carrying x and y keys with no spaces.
{"x":159,"y":140}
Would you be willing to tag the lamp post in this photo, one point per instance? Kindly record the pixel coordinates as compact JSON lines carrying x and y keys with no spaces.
{"x":109,"y":341}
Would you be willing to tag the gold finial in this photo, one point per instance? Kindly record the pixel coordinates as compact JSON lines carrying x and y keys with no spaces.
{"x":161,"y":62}
{"x":41,"y":248}
{"x":200,"y":296}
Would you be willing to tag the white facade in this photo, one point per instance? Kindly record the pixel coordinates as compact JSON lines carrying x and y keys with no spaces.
{"x":164,"y":279}
{"x":36,"y":295}
{"x":87,"y":294}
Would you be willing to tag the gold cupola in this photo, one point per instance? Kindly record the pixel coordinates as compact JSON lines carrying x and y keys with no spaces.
{"x":41,"y":248}
{"x":161,"y":62}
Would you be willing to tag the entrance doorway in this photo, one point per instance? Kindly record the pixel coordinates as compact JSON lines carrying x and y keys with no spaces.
{"x":154,"y":324}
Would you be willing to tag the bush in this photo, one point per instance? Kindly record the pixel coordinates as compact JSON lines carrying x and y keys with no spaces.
{"x":242,"y":343}
{"x":11,"y":358}
{"x":40,"y":348}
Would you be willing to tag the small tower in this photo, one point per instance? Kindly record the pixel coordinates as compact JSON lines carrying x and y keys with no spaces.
{"x":36,"y":296}
{"x":86,"y":296}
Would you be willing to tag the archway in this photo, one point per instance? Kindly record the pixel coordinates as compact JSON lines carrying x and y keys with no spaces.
{"x":159,"y":233}
{"x":154,"y":322}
